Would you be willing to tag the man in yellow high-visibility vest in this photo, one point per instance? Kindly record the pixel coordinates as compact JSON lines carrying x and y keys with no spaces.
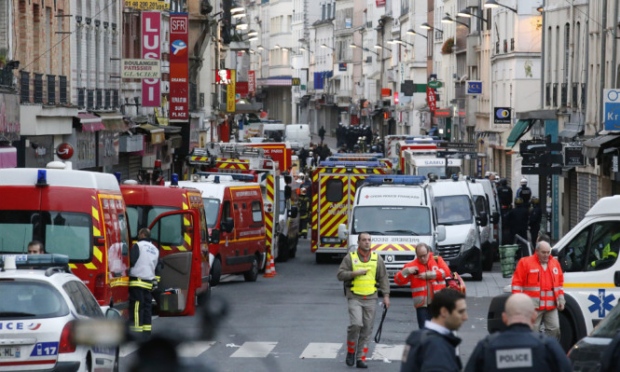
{"x":363,"y":272}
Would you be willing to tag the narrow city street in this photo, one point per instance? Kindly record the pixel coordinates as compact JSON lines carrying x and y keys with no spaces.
{"x":297,"y":321}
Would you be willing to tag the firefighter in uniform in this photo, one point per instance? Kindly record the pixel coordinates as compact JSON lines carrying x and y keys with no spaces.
{"x":304,"y":212}
{"x":518,"y":348}
{"x":143,"y":270}
{"x":609,"y":254}
{"x":362,"y":271}
{"x":540,"y":277}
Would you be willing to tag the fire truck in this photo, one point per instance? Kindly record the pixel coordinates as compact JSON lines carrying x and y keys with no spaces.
{"x":334,"y":184}
{"x":281,"y":220}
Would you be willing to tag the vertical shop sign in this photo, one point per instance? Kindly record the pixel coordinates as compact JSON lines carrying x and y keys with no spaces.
{"x":179,"y":62}
{"x":151,"y":49}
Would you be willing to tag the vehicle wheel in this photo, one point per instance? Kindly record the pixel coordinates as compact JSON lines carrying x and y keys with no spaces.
{"x":284,"y":249}
{"x":117,"y":360}
{"x":216,"y":271}
{"x":252,"y":274}
{"x":487,"y":258}
{"x":477,"y":276}
{"x":567,"y":333}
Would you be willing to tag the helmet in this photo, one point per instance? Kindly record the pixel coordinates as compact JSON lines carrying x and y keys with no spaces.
{"x":503,"y":182}
{"x":523,"y":181}
{"x":518,"y":201}
{"x":303,"y":191}
{"x":535,"y":200}
{"x":300,"y":175}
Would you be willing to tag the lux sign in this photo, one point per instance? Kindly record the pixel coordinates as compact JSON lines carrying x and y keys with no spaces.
{"x":151,"y":28}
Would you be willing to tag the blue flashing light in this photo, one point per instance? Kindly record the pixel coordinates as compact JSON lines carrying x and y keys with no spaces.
{"x":430,"y":140}
{"x":395,"y":180}
{"x":352,"y":158}
{"x":216,"y":179}
{"x":340,"y":163}
{"x":355,"y":155}
{"x":118,"y":176}
{"x":42,"y":177}
{"x":174,"y":180}
{"x":37,"y":260}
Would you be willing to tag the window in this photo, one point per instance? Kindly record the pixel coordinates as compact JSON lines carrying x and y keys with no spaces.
{"x":593,"y":249}
{"x":334,"y":192}
{"x":212,"y":209}
{"x":84,"y":302}
{"x":257,"y":212}
{"x":25,"y":299}
{"x":169,"y":230}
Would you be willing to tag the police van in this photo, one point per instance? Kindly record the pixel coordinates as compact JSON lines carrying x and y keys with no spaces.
{"x":395,"y":210}
{"x":588,"y":255}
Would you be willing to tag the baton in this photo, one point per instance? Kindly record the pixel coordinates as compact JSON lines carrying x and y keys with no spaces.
{"x":378,"y":334}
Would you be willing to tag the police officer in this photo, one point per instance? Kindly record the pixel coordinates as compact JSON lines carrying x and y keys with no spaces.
{"x":517,"y":219}
{"x":504,"y":194}
{"x":143,"y":275}
{"x":524,"y":192}
{"x":535,"y":219}
{"x":304,"y":212}
{"x":518,"y":348}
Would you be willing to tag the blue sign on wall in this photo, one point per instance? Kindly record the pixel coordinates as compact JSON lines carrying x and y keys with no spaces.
{"x":473,"y":87}
{"x":611,"y":102}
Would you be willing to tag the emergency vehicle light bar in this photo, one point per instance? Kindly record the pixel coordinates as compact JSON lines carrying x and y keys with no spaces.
{"x":423,"y":140}
{"x":364,"y":156}
{"x":234,"y":176}
{"x":35,"y":260}
{"x":395,"y":180}
{"x":340,"y":163}
{"x":351,"y":158}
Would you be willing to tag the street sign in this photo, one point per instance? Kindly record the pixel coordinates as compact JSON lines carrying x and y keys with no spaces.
{"x":541,"y":171}
{"x":435,"y":84}
{"x":457,"y":154}
{"x":549,"y":158}
{"x":473,"y":87}
{"x":456,"y":145}
{"x":528,"y":147}
{"x":502,"y":115}
{"x":573,"y":156}
{"x":611,"y":102}
{"x":530,"y":159}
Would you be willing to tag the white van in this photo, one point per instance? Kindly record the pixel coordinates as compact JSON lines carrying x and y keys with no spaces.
{"x":298,"y":135}
{"x":482,"y":206}
{"x":453,"y":208}
{"x":591,"y":280}
{"x":395,"y":210}
{"x":274,"y":132}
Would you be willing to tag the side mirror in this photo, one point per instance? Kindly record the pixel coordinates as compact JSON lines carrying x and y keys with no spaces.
{"x":482,"y":219}
{"x":440,"y":232}
{"x":287,"y":192}
{"x":288,"y":179}
{"x":495,"y":217}
{"x":112,"y":313}
{"x":554,"y":252}
{"x":343,"y":234}
{"x":292,"y":213}
{"x":215,"y":236}
{"x":124,"y":249}
{"x":228,"y":225}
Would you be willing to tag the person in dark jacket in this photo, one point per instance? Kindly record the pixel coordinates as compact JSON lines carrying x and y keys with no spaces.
{"x":322,"y":134}
{"x":524,"y":192}
{"x":504,"y":194}
{"x":518,"y":348}
{"x":517,"y":219}
{"x":433,"y":348}
{"x":535,"y":219}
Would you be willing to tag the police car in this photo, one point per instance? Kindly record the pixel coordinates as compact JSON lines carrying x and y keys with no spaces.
{"x":41,"y":301}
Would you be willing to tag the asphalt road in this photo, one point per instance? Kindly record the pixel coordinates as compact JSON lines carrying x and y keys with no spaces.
{"x":297,"y":321}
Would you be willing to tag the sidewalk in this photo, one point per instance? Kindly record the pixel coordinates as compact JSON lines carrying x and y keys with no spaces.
{"x":330,"y":141}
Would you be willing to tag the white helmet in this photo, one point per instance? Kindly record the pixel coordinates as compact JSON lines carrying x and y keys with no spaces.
{"x":523,"y":181}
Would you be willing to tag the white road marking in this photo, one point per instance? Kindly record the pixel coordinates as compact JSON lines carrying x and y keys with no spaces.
{"x":390,"y":352}
{"x":194,"y":349}
{"x":127,"y":349}
{"x":321,"y":350}
{"x":254,"y":349}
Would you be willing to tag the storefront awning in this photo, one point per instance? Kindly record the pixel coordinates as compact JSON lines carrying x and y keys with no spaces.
{"x":518,"y":131}
{"x":8,"y":157}
{"x":592,"y":146}
{"x":89,"y":122}
{"x":157,"y":133}
{"x":113,"y":121}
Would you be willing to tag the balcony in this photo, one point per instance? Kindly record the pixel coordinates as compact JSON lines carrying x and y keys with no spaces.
{"x":51,"y":90}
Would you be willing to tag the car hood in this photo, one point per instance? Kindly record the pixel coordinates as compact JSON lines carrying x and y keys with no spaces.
{"x":456,"y":234}
{"x":587,"y":353}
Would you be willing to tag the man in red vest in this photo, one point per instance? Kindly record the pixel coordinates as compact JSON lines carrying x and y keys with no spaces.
{"x":540,"y":277}
{"x":426,"y":275}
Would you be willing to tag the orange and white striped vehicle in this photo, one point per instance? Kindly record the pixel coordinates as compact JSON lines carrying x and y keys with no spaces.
{"x":77,"y":213}
{"x":333,"y":191}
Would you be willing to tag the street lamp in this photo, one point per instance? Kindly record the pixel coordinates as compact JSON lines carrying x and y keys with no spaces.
{"x":402,"y":42}
{"x":426,"y":26}
{"x":327,"y":47}
{"x":468,"y":14}
{"x":412,"y":32}
{"x":377,"y":46}
{"x":364,"y":49}
{"x":494,"y":4}
{"x":448,"y":19}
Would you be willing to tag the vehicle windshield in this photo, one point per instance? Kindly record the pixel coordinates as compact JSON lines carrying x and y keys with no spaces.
{"x":67,"y":233}
{"x":609,"y":326}
{"x":440,"y":171}
{"x":281,"y":202}
{"x":212,"y":209}
{"x":29,"y":299}
{"x":142,"y":216}
{"x":453,"y":210}
{"x":382,"y":220}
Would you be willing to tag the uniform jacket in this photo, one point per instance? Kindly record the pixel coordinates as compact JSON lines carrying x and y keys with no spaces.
{"x":428,"y":350}
{"x":527,"y":279}
{"x":423,"y":290}
{"x":518,"y":348}
{"x":345,"y":274}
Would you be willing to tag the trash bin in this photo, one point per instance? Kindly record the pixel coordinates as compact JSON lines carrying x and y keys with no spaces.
{"x":507,"y":259}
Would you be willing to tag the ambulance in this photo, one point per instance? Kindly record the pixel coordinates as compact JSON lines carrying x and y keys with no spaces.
{"x":236,"y":222}
{"x":591,"y":276}
{"x":146,"y":202}
{"x":418,"y":164}
{"x":77,"y":213}
{"x":334,"y":184}
{"x":396,"y":211}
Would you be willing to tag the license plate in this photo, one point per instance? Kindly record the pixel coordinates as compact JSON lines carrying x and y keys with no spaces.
{"x":12,"y":352}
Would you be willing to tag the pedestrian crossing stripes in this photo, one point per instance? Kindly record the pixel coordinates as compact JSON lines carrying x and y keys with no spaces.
{"x":314,"y":350}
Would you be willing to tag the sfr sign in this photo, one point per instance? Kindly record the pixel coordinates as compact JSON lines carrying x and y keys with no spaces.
{"x":178,"y":25}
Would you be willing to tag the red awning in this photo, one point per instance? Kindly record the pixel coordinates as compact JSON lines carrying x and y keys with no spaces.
{"x":90,"y":122}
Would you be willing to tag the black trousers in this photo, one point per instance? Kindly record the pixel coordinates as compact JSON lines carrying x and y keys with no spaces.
{"x":140,"y":312}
